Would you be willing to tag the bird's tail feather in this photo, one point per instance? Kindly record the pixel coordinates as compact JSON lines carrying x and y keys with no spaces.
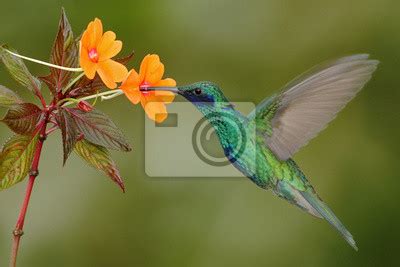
{"x":328,"y":215}
{"x":309,"y":201}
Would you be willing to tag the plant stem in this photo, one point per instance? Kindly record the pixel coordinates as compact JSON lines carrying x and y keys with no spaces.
{"x":116,"y":92}
{"x":41,"y":98}
{"x":18,"y":231}
{"x":74,"y":81}
{"x":52,"y":129}
{"x":45,"y":63}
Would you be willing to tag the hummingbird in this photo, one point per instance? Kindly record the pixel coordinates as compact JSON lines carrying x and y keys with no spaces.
{"x":284,"y":123}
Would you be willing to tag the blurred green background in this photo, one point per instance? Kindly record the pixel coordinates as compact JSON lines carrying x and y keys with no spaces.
{"x":251,"y":48}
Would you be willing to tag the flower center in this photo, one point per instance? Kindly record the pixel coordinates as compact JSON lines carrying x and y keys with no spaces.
{"x":93,"y":55}
{"x":143,"y":88}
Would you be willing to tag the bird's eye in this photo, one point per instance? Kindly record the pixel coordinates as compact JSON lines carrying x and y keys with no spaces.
{"x":197,"y":91}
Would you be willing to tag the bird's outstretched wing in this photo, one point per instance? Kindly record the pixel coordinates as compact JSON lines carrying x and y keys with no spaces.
{"x":289,"y":120}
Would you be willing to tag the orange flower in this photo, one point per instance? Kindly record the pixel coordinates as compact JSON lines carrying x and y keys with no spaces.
{"x":153,"y":102}
{"x":96,"y":51}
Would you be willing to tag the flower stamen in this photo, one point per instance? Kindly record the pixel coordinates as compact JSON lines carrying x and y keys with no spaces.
{"x":93,"y":55}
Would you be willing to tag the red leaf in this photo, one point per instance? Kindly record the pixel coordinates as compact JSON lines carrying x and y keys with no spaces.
{"x":85,"y":87}
{"x":64,"y":53}
{"x":99,"y":158}
{"x":125,"y":60}
{"x":49,"y":81}
{"x":69,"y":132}
{"x":23,"y":118}
{"x":18,"y":70}
{"x":99,"y":129}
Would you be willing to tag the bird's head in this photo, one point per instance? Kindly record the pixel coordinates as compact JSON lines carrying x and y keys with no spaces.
{"x":202,"y":93}
{"x":206,"y":96}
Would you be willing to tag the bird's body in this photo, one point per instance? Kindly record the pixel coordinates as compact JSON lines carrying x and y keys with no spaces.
{"x":281,"y":125}
{"x":261,"y":166}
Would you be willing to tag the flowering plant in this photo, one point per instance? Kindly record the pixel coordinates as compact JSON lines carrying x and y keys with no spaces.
{"x":79,"y":70}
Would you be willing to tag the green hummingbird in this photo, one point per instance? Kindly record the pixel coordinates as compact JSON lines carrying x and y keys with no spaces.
{"x":283,"y":124}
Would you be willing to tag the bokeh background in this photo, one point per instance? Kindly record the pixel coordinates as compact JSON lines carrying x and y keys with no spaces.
{"x":78,"y":217}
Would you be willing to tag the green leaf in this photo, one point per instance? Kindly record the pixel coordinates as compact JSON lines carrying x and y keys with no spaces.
{"x":99,"y":129}
{"x":18,"y":70}
{"x":23,"y":118}
{"x":16,"y":159}
{"x":64,"y":53}
{"x":8,"y":97}
{"x":69,"y":132}
{"x":99,"y":158}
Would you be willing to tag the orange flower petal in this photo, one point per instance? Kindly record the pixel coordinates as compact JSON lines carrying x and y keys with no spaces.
{"x":113,"y":50}
{"x":144,"y":64}
{"x":111,"y":71}
{"x":166,"y":82}
{"x":87,"y":65}
{"x":93,"y":34}
{"x":155,"y":72}
{"x":156,"y":111}
{"x":106,"y":77}
{"x":131,"y":87}
{"x":108,"y":47}
{"x":97,"y":32}
{"x":165,"y":96}
{"x":151,"y":69}
{"x":133,"y":95}
{"x":86,"y":36}
{"x":132,"y":81}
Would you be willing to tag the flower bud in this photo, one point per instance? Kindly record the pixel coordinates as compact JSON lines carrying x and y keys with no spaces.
{"x":85,"y":106}
{"x":80,"y":137}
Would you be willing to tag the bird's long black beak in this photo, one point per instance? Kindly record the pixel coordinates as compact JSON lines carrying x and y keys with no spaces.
{"x":161,"y":88}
